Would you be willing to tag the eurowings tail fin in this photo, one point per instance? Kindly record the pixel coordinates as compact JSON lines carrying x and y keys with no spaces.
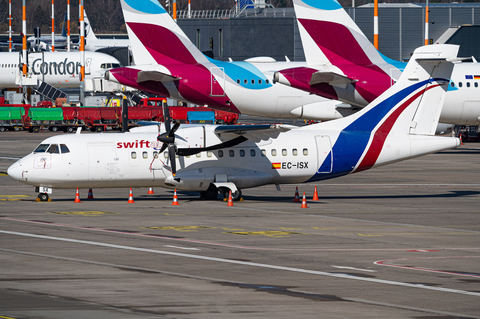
{"x":155,"y":37}
{"x":330,"y":36}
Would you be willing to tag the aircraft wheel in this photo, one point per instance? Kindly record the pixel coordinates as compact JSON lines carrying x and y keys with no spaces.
{"x":211,"y":193}
{"x":236,"y":196}
{"x":43,"y":197}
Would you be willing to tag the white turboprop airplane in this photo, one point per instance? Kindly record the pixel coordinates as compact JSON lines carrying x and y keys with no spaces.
{"x":59,"y":69}
{"x":398,"y":125}
{"x":92,"y":43}
{"x":169,"y":64}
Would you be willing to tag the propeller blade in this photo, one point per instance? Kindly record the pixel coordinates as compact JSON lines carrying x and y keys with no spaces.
{"x":174,"y":128}
{"x":171,"y":155}
{"x":166,"y":118}
{"x":164,"y":146}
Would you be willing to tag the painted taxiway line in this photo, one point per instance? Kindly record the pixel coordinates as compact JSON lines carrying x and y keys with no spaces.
{"x":389,"y":264}
{"x":243,"y":263}
{"x":194,"y":241}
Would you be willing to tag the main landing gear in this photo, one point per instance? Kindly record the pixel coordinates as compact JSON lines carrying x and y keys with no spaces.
{"x":212,"y":193}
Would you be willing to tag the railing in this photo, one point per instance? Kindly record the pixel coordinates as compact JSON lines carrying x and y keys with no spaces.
{"x":240,"y":8}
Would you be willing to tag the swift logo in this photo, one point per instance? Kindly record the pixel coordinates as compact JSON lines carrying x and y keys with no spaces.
{"x":137,"y":144}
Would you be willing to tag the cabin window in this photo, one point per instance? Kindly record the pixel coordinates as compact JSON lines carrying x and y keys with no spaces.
{"x":253,"y":81}
{"x":468,"y":84}
{"x":41,"y":148}
{"x":284,"y":152}
{"x":460,"y":84}
{"x":238,"y":81}
{"x":209,"y":154}
{"x":476,"y":84}
{"x":264,"y":152}
{"x":220,"y":153}
{"x":252,"y":153}
{"x":145,"y":155}
{"x":259,"y":81}
{"x":231,"y":153}
{"x":242,"y":153}
{"x":295,"y":152}
{"x":54,"y":149}
{"x":155,"y":154}
{"x":267,"y":81}
{"x":274,"y":152}
{"x":134,"y":155}
{"x":245,"y":81}
{"x":452,"y":84}
{"x":199,"y":155}
{"x":305,"y":151}
{"x":64,"y":148}
{"x":165,"y":154}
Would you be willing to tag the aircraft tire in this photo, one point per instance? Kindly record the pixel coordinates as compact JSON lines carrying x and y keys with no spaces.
{"x":43,"y":197}
{"x":211,"y":193}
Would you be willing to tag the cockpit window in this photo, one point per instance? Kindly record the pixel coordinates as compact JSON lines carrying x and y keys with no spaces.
{"x":64,"y":148}
{"x":110,"y":65}
{"x":116,"y":65}
{"x":41,"y":148}
{"x":54,"y":149}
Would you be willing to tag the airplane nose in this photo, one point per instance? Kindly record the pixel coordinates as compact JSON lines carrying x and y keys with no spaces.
{"x":15,"y":171}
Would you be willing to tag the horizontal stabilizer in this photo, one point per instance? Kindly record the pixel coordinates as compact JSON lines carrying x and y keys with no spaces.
{"x":155,"y":76}
{"x":331,"y":78}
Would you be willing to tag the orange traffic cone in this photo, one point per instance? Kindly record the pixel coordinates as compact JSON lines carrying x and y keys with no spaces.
{"x":150,"y":191}
{"x":130,"y":197}
{"x":304,"y":201}
{"x":175,"y":199}
{"x":77,"y":197}
{"x":230,"y":200}
{"x":315,"y":194}
{"x":90,"y":194}
{"x":297,"y":198}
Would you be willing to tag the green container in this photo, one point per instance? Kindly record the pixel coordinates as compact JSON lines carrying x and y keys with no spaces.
{"x":11,"y":113}
{"x":42,"y":114}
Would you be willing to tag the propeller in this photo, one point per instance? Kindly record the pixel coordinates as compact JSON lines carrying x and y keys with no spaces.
{"x":168,"y":139}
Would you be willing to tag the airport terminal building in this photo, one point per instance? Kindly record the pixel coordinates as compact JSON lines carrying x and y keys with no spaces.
{"x":274,"y":32}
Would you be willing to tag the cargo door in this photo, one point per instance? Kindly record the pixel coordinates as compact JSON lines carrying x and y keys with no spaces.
{"x":325,"y":154}
{"x":102,"y":161}
{"x":217,"y":81}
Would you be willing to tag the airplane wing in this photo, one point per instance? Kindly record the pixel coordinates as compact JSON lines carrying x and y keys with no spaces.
{"x":255,"y":133}
{"x":331,"y":78}
{"x":144,"y":76}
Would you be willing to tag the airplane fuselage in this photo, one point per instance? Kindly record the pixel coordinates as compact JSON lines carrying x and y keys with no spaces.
{"x":59,"y":69}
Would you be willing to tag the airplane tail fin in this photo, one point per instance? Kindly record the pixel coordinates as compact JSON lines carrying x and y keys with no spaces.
{"x":90,"y":35}
{"x":155,"y":37}
{"x":330,"y":36}
{"x":413,"y":105}
{"x":64,"y":27}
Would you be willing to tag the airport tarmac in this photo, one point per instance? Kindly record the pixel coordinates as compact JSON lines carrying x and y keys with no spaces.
{"x":400,"y":241}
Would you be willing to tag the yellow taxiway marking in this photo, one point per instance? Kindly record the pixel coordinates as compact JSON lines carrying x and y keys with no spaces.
{"x":271,"y":233}
{"x":14,"y":196}
{"x":4,"y":317}
{"x":3,"y":174}
{"x":180,"y":228}
{"x":88,"y":213}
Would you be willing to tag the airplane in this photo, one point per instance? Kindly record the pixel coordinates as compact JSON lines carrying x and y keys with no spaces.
{"x":45,"y":41}
{"x":169,"y":64}
{"x":343,"y":64}
{"x":59,"y":69}
{"x":398,"y":125}
{"x":92,"y":43}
